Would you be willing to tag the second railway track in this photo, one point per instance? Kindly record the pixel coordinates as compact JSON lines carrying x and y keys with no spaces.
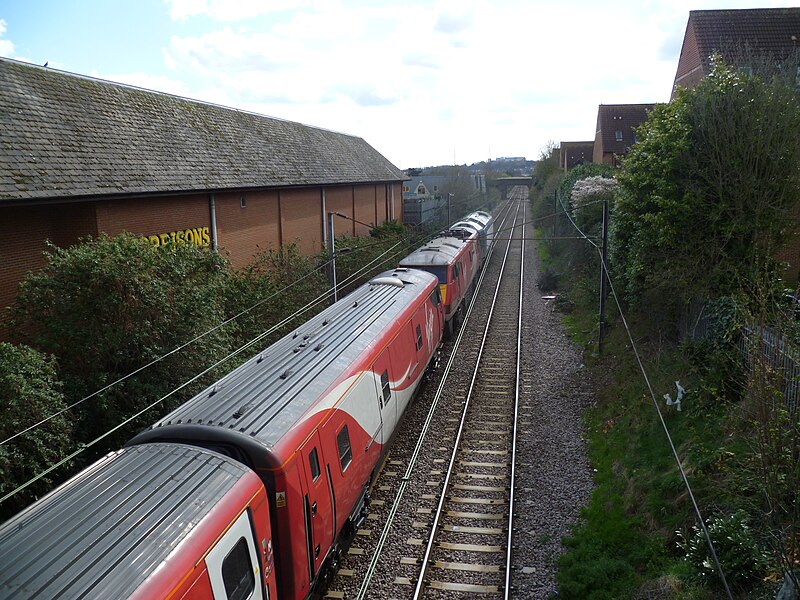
{"x":387,"y":554}
{"x":469,"y":542}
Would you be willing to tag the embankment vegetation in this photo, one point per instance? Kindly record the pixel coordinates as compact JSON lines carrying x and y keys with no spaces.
{"x":703,"y":211}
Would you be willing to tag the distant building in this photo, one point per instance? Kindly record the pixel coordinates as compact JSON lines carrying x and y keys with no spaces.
{"x":422,"y":198}
{"x":81,"y":156}
{"x":572,"y":154}
{"x":773,"y":33}
{"x":615,"y":130}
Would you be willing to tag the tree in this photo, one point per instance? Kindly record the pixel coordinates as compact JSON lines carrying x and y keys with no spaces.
{"x":29,"y":393}
{"x":710,"y":192}
{"x":278,"y":282}
{"x":107,"y":307}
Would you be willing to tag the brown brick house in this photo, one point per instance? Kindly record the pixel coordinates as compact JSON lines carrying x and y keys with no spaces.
{"x":773,"y":33}
{"x":615,"y":130}
{"x":572,"y":154}
{"x":80,"y":156}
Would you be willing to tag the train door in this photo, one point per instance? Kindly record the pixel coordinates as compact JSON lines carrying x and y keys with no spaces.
{"x":456,"y":292}
{"x":233,"y":565}
{"x":317,"y":504}
{"x":406,"y":365}
{"x":382,"y":371}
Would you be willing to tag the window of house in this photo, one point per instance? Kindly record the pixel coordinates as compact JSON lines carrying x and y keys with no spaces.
{"x":387,"y":392}
{"x":242,"y":201}
{"x":237,"y":572}
{"x":618,"y":135}
{"x":419,"y":337}
{"x":345,"y":452}
{"x":313,"y":462}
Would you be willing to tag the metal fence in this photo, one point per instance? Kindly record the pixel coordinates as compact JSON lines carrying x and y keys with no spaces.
{"x":779,"y":356}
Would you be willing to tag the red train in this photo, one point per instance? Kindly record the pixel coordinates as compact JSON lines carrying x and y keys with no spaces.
{"x":271,"y":464}
{"x":248,"y":490}
{"x":455,"y":257}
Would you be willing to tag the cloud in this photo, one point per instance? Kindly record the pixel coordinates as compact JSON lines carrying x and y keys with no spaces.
{"x":422,"y":59}
{"x":6,"y":46}
{"x":227,"y":50}
{"x":223,"y":10}
{"x":453,"y":22}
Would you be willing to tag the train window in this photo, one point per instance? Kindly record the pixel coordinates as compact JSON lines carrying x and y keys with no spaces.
{"x":440,"y":272}
{"x":455,"y":271}
{"x":313,"y":462}
{"x":387,"y":392}
{"x":237,"y":572}
{"x":345,"y":452}
{"x":419,"y":337}
{"x":436,"y":297}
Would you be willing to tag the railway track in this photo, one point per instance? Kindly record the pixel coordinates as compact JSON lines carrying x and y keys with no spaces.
{"x":386,"y":561}
{"x":470,"y":539}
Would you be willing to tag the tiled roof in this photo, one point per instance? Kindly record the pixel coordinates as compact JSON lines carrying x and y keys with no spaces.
{"x":65,"y":135}
{"x":622,"y":118}
{"x":774,"y":31}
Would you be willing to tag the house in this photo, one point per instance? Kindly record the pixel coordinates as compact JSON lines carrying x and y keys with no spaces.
{"x":422,"y":198}
{"x":739,"y":36}
{"x":81,"y":156}
{"x":615,"y":130}
{"x":572,"y":154}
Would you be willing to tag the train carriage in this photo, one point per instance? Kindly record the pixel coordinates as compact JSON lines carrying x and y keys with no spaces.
{"x":454,"y":259}
{"x":144,"y":522}
{"x":312,"y":414}
{"x":483,"y":222}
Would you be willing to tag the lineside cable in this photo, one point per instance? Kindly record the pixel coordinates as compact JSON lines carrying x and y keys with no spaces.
{"x":685,"y":479}
{"x":325,"y":295}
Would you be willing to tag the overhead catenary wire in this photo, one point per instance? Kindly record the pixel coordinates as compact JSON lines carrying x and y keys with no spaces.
{"x":376,"y":262}
{"x":663,"y":422}
{"x":322,"y":297}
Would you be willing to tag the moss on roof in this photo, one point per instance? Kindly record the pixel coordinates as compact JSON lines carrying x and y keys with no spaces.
{"x":65,"y":135}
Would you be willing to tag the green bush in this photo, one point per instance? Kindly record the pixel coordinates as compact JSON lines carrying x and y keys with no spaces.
{"x":29,"y":393}
{"x":276,"y":283}
{"x":740,"y":555}
{"x":108,"y":306}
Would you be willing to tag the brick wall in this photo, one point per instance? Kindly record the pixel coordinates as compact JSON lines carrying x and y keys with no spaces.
{"x":153,"y":216}
{"x":340,"y":199}
{"x":243,"y":231}
{"x":364,"y":207}
{"x":301,"y":219}
{"x":268,"y":218}
{"x":26,"y":230}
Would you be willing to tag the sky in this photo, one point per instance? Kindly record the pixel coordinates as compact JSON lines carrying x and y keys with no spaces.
{"x":426,"y":83}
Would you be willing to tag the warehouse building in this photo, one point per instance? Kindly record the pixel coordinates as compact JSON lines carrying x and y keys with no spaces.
{"x":81,"y":156}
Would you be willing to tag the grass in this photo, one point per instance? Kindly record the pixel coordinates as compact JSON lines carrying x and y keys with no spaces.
{"x":626,"y":543}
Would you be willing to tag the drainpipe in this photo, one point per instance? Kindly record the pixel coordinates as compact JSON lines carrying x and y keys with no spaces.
{"x":324,"y":212}
{"x":212,"y":209}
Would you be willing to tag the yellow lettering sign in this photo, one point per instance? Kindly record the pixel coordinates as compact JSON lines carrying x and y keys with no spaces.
{"x":199,"y":236}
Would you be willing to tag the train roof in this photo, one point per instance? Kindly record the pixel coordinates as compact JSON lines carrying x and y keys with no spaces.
{"x":440,"y":251}
{"x":104,"y":532}
{"x":263,"y":398}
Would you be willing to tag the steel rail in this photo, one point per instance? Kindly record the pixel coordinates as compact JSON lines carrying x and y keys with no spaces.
{"x":372,"y":567}
{"x":512,"y":477}
{"x":448,"y":476}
